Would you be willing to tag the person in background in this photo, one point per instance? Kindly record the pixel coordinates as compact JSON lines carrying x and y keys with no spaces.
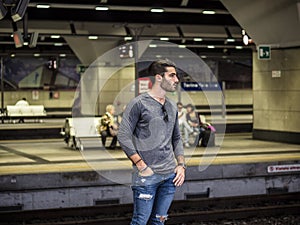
{"x":207,"y":133}
{"x":120,"y":115}
{"x":76,"y":108}
{"x":109,"y":127}
{"x":184,"y":126}
{"x":192,"y":119}
{"x":149,"y":135}
{"x":22,"y":103}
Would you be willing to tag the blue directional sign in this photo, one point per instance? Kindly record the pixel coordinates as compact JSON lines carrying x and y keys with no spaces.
{"x":201,"y":86}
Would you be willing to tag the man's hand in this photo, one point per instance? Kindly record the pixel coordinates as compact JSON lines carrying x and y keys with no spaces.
{"x":146,"y":172}
{"x":180,"y":176}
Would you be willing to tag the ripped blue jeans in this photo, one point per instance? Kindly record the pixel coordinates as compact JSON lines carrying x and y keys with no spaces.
{"x":152,"y":196}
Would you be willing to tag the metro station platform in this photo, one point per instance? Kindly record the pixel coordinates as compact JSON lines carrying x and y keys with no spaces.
{"x":46,"y":173}
{"x":53,"y":155}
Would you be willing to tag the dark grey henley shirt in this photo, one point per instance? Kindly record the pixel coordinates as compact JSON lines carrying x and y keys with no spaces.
{"x":144,"y":130}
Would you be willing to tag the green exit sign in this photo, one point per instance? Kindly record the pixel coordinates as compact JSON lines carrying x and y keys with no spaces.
{"x":264,"y":52}
{"x":81,"y":68}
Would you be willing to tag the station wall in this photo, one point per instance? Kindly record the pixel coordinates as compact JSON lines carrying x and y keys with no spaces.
{"x":64,"y":98}
{"x":119,"y":89}
{"x":276,"y":96}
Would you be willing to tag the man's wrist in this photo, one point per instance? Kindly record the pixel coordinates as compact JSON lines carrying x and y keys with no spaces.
{"x":141,"y":165}
{"x":182,"y":165}
{"x":142,"y":170}
{"x":138,"y":161}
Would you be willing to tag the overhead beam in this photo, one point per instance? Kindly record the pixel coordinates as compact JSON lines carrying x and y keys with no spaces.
{"x":3,"y":10}
{"x":19,"y":10}
{"x":130,"y":17}
{"x":135,"y":7}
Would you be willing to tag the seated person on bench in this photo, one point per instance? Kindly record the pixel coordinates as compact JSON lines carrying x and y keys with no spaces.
{"x":206,"y":132}
{"x":22,"y":103}
{"x":109,"y":127}
{"x":192,"y":119}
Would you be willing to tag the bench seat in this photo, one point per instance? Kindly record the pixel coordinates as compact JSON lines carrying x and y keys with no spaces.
{"x":25,"y":111}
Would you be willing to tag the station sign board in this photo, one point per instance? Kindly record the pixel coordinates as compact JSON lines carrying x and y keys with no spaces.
{"x":144,"y":84}
{"x":283,"y":168}
{"x":201,"y":86}
{"x":126,"y":51}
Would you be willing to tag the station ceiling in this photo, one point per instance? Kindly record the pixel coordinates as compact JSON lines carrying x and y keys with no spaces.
{"x":206,"y":27}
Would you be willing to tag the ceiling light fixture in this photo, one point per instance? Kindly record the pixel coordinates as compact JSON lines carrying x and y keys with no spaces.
{"x":198,"y":39}
{"x":239,"y":47}
{"x":152,"y":46}
{"x":157,"y":10}
{"x":54,"y":36}
{"x":18,"y":11}
{"x":210,"y":46}
{"x":230,"y":40}
{"x":93,"y":37}
{"x":18,"y":39}
{"x":36,"y":54}
{"x":246,"y":39}
{"x":62,"y":55}
{"x":208,"y":12}
{"x":127,"y":38}
{"x":101,"y":8}
{"x":58,"y":44}
{"x":17,"y":36}
{"x":33,"y":39}
{"x":43,"y":6}
{"x":164,"y":39}
{"x":181,"y":46}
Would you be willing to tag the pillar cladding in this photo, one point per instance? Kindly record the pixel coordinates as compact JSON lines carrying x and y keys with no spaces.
{"x":276,"y":96}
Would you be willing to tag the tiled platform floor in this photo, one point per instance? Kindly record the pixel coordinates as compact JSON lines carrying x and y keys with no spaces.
{"x":53,"y":155}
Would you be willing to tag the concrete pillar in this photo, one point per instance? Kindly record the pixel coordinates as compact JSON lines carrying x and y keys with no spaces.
{"x":88,"y":51}
{"x":276,"y":96}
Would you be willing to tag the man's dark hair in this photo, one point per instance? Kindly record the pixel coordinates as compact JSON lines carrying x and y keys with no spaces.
{"x":159,"y":66}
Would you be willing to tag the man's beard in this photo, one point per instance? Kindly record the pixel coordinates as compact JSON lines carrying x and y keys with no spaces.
{"x":167,"y":86}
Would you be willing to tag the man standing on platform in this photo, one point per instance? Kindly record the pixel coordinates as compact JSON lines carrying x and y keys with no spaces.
{"x":150,"y":136}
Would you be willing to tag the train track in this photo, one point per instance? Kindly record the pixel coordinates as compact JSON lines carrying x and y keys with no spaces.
{"x":181,"y":212}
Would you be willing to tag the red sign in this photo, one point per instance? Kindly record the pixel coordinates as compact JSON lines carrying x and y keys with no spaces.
{"x":145,"y":84}
{"x":284,"y":168}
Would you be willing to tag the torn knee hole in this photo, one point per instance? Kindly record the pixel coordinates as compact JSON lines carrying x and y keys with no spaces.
{"x":145,"y":196}
{"x":162,"y":218}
